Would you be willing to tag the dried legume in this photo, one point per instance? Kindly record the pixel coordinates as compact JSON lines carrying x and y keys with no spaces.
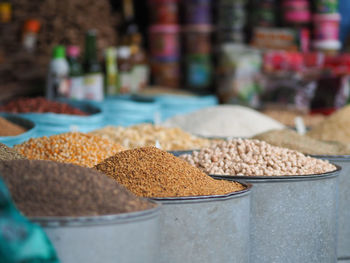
{"x":40,"y":105}
{"x":46,"y":188}
{"x":73,"y":147}
{"x":151,"y":172}
{"x":255,"y":158}
{"x":7,"y":153}
{"x":334,"y":128}
{"x":294,"y":141}
{"x":10,"y":129}
{"x":170,"y":139}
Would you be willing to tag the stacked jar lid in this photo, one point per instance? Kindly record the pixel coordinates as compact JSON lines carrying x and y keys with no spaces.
{"x":326,"y":26}
{"x":164,"y":39}
{"x":231,"y":20}
{"x":197,"y":31}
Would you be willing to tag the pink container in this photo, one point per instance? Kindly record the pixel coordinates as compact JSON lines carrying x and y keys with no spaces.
{"x":326,"y":27}
{"x":296,"y":11}
{"x":164,"y":41}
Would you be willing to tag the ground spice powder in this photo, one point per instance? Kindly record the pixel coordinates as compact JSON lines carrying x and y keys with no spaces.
{"x":46,"y":188}
{"x":73,"y":147}
{"x":151,"y":172}
{"x":10,"y":129}
{"x":7,"y":153}
{"x":294,"y":141}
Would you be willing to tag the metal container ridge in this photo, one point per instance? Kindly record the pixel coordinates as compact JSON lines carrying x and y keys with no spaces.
{"x":122,"y":238}
{"x":293,"y":218}
{"x":344,"y":203}
{"x":200,"y":229}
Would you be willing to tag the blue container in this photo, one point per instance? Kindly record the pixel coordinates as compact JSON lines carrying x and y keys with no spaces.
{"x":53,"y":123}
{"x":25,"y":123}
{"x":198,"y":11}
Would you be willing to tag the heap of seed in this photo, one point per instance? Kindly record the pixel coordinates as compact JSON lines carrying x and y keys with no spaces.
{"x":45,"y":188}
{"x":255,"y":158}
{"x":292,"y":140}
{"x":334,"y":128}
{"x":73,"y":147}
{"x":7,"y":153}
{"x":10,"y":129}
{"x":151,"y":172}
{"x":141,"y":135}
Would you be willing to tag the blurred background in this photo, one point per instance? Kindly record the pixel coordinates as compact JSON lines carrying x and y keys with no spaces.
{"x":258,"y":53}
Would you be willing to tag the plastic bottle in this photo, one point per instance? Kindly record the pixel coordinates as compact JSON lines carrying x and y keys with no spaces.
{"x":140,"y":70}
{"x":93,"y":79}
{"x":76,"y":74}
{"x":57,"y":81}
{"x":124,"y":68}
{"x":112,"y":82}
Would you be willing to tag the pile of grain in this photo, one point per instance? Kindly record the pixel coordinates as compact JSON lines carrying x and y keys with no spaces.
{"x":73,"y":147}
{"x":334,"y":128}
{"x":10,"y":129}
{"x":45,"y":188}
{"x":170,"y":139}
{"x":7,"y":153}
{"x":224,"y":121}
{"x":255,"y":158}
{"x":151,"y":172}
{"x":294,"y":141}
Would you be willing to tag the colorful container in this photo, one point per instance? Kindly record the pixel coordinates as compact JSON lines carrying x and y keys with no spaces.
{"x":164,"y":12}
{"x":166,"y":72}
{"x":330,"y":47}
{"x":327,"y":6}
{"x":198,"y":71}
{"x":164,"y":41}
{"x":197,"y":11}
{"x":296,"y":11}
{"x":326,"y":27}
{"x":197,"y":39}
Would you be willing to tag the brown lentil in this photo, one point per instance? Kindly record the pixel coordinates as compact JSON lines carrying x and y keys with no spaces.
{"x":46,"y":188}
{"x":73,"y":147}
{"x":40,"y":105}
{"x":10,"y":129}
{"x":170,"y":139}
{"x":334,"y":128}
{"x":294,"y":141}
{"x":255,"y":158}
{"x":7,"y":153}
{"x":151,"y":172}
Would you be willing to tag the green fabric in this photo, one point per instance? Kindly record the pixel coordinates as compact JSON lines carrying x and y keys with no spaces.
{"x":20,"y":240}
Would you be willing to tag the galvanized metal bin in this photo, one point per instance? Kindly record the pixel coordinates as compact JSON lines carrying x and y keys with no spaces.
{"x":344,"y":203}
{"x":293,"y":218}
{"x":123,"y":238}
{"x":205,"y":229}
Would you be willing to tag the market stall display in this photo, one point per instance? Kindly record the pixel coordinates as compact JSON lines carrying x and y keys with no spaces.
{"x":78,"y":206}
{"x":224,"y":121}
{"x":215,"y":212}
{"x":169,"y":139}
{"x":73,"y":147}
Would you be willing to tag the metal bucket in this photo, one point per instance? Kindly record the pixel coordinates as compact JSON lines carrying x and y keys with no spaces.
{"x":293,"y":218}
{"x":213,"y":229}
{"x":123,"y":238}
{"x":344,"y":204}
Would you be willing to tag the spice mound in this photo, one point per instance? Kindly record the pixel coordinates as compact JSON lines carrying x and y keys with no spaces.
{"x":224,"y":121}
{"x":151,"y":172}
{"x":10,"y":129}
{"x":334,"y":128}
{"x":40,"y":105}
{"x":46,"y":188}
{"x":170,"y":139}
{"x":255,"y":158}
{"x":73,"y":147}
{"x":294,"y":141}
{"x":6,"y":153}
